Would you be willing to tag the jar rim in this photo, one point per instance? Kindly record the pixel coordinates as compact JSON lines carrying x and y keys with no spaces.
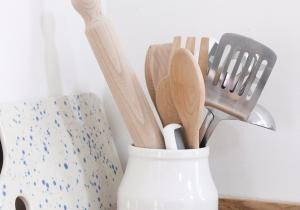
{"x":167,"y":153}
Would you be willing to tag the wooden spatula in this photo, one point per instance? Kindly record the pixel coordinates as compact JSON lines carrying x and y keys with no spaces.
{"x":157,"y":62}
{"x":188,"y":94}
{"x":164,"y":103}
{"x":156,"y":66}
{"x":120,"y":76}
{"x":203,"y":56}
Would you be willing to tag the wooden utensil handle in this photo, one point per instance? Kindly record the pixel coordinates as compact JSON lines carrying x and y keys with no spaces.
{"x":119,"y":75}
{"x":90,"y":10}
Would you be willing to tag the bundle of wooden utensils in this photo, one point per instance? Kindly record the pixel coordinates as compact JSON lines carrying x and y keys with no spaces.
{"x":226,"y":80}
{"x":176,"y":86}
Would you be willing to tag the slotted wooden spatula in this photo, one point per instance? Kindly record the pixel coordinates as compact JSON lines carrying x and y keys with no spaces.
{"x":120,"y":76}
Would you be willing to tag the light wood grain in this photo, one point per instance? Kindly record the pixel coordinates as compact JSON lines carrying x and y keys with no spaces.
{"x":203,"y":56}
{"x":188,"y":94}
{"x":120,"y":76}
{"x":190,"y":44}
{"x":164,"y":103}
{"x":175,"y":45}
{"x":239,"y":204}
{"x":148,"y":74}
{"x":156,"y":66}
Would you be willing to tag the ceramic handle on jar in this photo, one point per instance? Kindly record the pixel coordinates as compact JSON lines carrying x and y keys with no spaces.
{"x":121,"y":79}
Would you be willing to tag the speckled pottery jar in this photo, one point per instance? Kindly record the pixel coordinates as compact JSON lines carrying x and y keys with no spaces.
{"x":58,"y":153}
{"x":167,"y":180}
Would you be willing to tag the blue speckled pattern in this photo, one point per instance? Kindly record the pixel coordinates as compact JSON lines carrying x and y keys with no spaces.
{"x":58,"y":154}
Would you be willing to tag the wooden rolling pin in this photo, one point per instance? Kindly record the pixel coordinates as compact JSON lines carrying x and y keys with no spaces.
{"x":120,"y":76}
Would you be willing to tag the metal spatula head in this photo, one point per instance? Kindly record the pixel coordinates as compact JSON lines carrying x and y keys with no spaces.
{"x":233,"y":86}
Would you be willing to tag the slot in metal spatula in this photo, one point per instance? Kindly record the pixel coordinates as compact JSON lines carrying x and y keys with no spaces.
{"x":232,"y":86}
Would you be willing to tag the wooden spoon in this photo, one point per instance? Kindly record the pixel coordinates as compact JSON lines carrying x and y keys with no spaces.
{"x":157,"y":62}
{"x":164,"y":103}
{"x":188,"y":94}
{"x":159,"y":56}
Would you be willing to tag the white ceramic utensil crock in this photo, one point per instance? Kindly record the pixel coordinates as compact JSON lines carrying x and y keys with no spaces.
{"x":167,"y":180}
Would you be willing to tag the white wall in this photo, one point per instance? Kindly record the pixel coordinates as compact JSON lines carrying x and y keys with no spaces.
{"x":43,"y":52}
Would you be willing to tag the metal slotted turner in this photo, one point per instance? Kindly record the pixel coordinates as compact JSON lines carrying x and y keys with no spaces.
{"x":230,"y":86}
{"x":237,"y":75}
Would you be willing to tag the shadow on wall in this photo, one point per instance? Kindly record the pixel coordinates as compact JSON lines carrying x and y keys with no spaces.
{"x":51,"y":54}
{"x":1,"y":157}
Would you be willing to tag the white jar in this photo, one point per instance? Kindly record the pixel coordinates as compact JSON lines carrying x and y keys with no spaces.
{"x":167,"y":180}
